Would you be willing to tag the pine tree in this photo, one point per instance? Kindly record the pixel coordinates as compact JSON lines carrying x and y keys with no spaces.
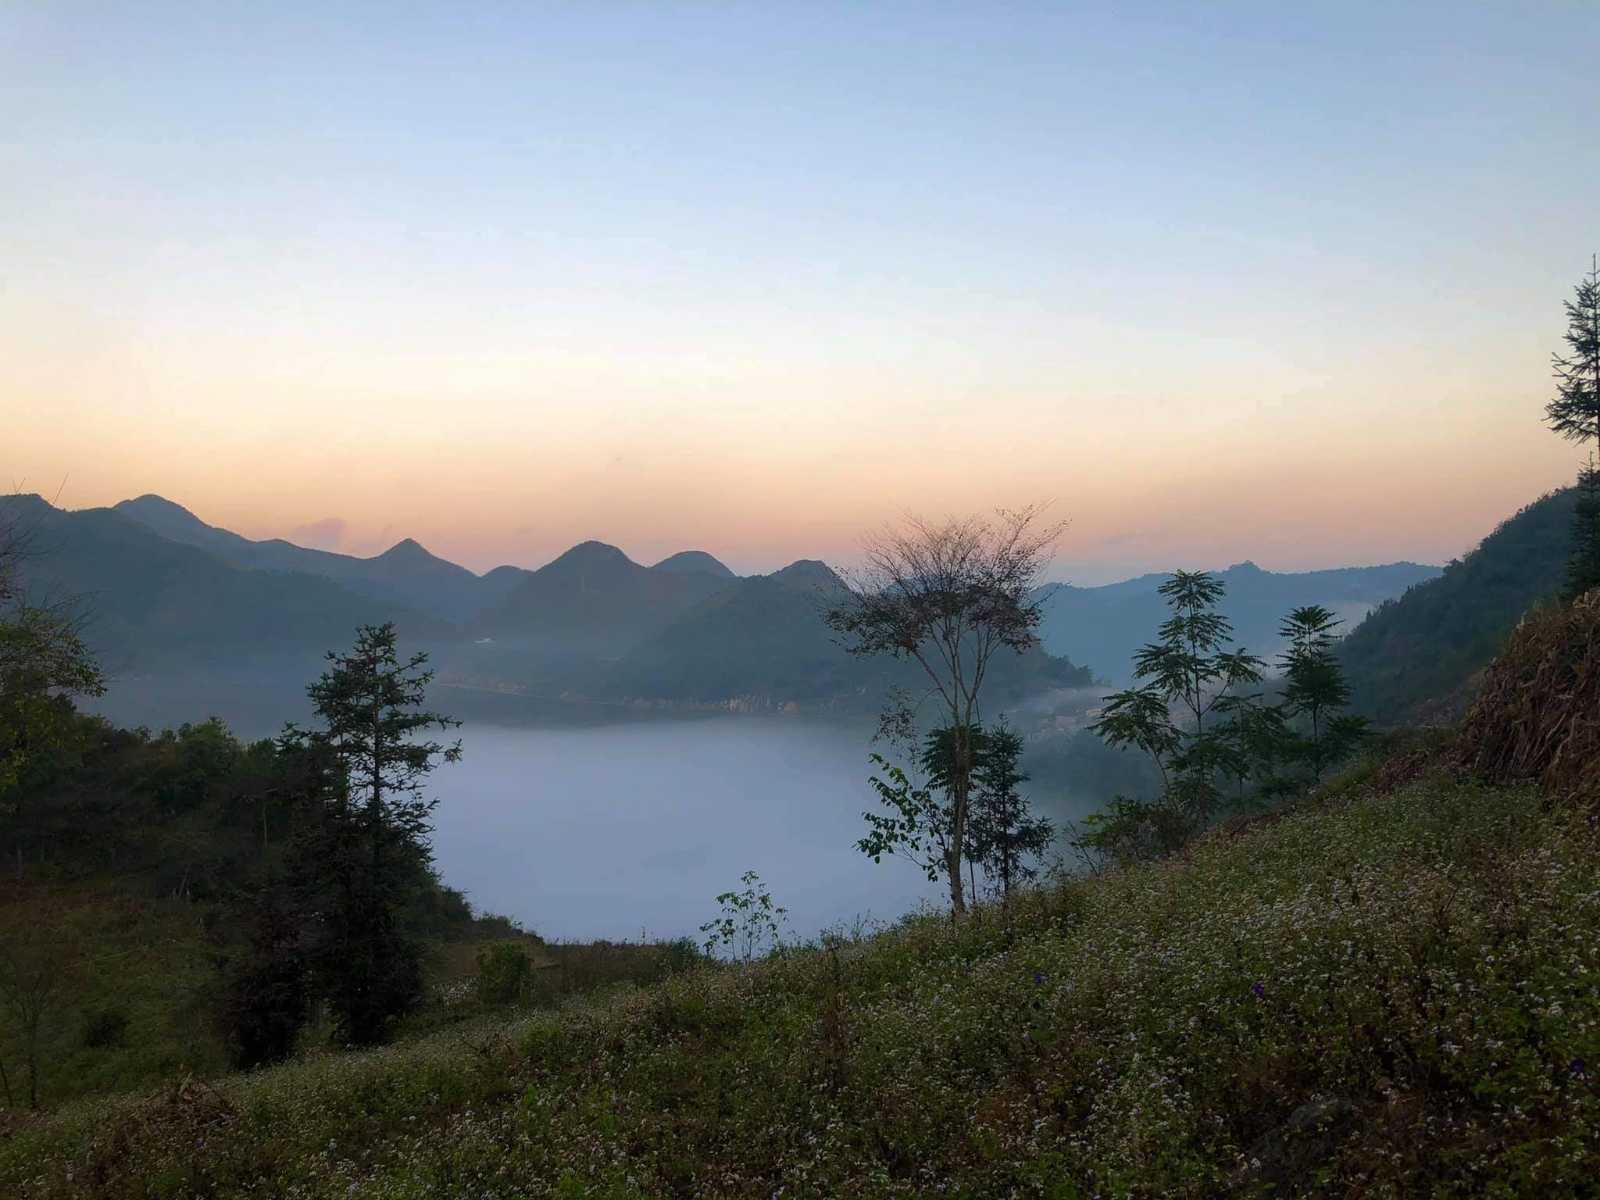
{"x":1574,"y":413}
{"x":1583,"y":567}
{"x":365,"y":853}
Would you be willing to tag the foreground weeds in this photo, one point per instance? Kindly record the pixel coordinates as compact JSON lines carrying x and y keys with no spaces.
{"x":1397,"y":995}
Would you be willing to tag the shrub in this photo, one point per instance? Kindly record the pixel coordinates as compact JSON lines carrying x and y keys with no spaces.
{"x":105,"y":1028}
{"x":505,"y":973}
{"x":266,"y":998}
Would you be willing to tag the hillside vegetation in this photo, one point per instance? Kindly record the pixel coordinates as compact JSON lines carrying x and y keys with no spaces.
{"x":1390,"y":991}
{"x":1416,"y":658}
{"x":1103,"y":627}
{"x":130,"y":863}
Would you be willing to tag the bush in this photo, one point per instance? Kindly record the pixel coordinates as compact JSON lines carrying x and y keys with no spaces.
{"x":680,"y":955}
{"x":505,"y":973}
{"x":266,"y":998}
{"x":105,"y":1029}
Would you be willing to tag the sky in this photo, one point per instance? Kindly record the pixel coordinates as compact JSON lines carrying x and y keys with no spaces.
{"x":1224,"y":281}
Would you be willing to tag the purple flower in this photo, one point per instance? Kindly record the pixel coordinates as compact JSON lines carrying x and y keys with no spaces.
{"x":1256,"y":990}
{"x":1038,"y":978}
{"x":1578,"y":1067}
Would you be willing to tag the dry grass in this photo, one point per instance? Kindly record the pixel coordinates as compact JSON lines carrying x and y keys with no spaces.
{"x":1537,"y":715}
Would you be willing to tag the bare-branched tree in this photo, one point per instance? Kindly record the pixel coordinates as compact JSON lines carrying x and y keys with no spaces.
{"x":950,"y":595}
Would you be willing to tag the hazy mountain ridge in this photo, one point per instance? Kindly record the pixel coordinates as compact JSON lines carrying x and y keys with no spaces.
{"x":762,"y":635}
{"x":166,"y":587}
{"x":406,"y":572}
{"x":1102,"y":627}
{"x":596,"y":597}
{"x":150,"y":600}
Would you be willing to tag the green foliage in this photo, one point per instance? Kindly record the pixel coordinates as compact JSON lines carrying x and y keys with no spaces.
{"x":369,"y":702}
{"x":1005,"y":838}
{"x":1574,"y":412}
{"x":145,"y":854}
{"x":505,"y":973}
{"x":1413,"y":660}
{"x":1320,"y":734}
{"x":916,"y":821}
{"x":363,"y":849}
{"x":1212,"y":741}
{"x":43,"y":664}
{"x":750,"y":923}
{"x":951,"y":597}
{"x":1102,"y":627}
{"x":267,"y":999}
{"x":1583,"y":567}
{"x":1190,"y":715}
{"x":1393,"y":996}
{"x":1130,"y":830}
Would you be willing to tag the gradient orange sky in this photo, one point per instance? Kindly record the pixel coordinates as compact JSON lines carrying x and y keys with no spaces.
{"x":1243,"y":284}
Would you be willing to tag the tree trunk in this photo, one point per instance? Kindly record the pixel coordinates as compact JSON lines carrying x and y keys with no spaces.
{"x":952,"y":864}
{"x":33,"y":1069}
{"x":960,"y":791}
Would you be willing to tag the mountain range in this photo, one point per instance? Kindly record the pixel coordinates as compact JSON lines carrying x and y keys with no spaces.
{"x":405,"y":574}
{"x":170,"y":596}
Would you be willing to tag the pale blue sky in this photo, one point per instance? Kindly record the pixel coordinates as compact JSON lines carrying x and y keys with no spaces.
{"x":754,"y":276}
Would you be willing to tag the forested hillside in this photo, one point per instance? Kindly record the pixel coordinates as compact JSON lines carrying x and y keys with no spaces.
{"x":1415,"y":658}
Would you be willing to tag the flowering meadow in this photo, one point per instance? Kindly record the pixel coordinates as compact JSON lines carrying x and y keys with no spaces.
{"x":1380,"y":993}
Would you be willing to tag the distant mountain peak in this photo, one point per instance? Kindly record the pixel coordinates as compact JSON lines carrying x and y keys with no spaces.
{"x":1244,"y":568}
{"x":27,"y":501}
{"x":591,"y":552}
{"x":152,"y":506}
{"x":406,"y":548}
{"x":694,"y":562}
{"x":808,"y":572}
{"x":152,"y":498}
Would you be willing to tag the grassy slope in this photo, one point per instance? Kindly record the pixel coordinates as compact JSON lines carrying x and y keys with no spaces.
{"x":1398,"y":993}
{"x":155,"y":963}
{"x":146,"y":959}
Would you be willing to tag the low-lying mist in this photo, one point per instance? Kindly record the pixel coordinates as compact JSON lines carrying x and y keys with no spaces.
{"x":627,"y":829}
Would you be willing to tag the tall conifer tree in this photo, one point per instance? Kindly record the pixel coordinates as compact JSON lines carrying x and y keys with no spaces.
{"x":1574,"y":413}
{"x":369,"y":848}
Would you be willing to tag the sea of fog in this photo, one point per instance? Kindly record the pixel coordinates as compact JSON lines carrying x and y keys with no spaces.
{"x":623,"y":830}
